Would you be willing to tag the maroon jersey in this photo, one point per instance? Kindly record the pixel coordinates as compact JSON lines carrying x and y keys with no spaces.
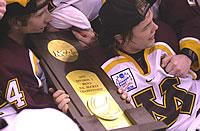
{"x":182,"y":15}
{"x":20,"y":80}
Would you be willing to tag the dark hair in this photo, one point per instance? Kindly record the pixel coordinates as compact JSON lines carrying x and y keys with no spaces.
{"x":126,"y":36}
{"x":119,"y":17}
{"x":15,"y":12}
{"x":6,"y":22}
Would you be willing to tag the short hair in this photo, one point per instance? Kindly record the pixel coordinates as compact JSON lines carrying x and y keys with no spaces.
{"x":17,"y":12}
{"x":119,"y":17}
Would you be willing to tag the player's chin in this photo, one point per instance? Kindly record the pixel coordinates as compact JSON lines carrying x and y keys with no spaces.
{"x":151,"y":42}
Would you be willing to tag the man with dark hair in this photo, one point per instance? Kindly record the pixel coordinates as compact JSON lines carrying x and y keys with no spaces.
{"x":22,"y":81}
{"x":135,"y":67}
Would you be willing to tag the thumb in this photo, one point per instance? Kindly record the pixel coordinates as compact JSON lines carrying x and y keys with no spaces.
{"x":120,"y":91}
{"x":166,"y":60}
{"x":79,"y":34}
{"x":80,"y":37}
{"x":51,"y":90}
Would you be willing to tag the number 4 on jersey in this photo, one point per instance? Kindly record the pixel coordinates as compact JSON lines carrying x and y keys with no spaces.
{"x":14,"y":95}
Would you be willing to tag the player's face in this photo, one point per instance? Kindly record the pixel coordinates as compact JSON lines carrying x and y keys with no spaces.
{"x":38,"y":21}
{"x":142,"y":34}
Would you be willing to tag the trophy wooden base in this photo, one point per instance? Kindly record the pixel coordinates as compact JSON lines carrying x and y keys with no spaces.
{"x":76,"y":69}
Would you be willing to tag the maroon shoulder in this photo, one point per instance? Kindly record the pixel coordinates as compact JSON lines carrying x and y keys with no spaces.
{"x":166,"y":34}
{"x":179,"y":14}
{"x":17,"y":80}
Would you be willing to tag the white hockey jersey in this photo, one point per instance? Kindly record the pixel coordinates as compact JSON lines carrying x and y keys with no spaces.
{"x":75,"y":13}
{"x":170,"y":99}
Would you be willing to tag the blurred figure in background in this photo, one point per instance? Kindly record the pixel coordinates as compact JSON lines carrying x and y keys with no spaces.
{"x":2,"y":8}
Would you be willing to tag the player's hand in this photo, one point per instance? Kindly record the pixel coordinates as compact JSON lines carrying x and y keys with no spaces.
{"x":124,"y":95}
{"x":177,"y":65}
{"x":2,"y":8}
{"x":61,"y":99}
{"x":86,"y":37}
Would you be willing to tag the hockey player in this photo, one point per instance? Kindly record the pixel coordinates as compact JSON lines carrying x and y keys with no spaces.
{"x":22,"y":82}
{"x":135,"y":66}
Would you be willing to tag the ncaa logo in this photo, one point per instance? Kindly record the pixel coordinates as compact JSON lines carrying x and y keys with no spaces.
{"x":124,"y":79}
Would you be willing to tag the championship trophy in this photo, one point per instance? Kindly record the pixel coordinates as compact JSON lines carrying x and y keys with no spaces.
{"x":95,"y":104}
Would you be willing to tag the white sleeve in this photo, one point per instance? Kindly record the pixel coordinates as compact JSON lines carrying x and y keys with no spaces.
{"x":155,"y":8}
{"x":37,"y":70}
{"x":67,"y":2}
{"x":198,"y":1}
{"x":64,"y":17}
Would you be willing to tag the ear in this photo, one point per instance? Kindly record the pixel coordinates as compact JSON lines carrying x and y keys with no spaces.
{"x":119,"y":38}
{"x":15,"y":24}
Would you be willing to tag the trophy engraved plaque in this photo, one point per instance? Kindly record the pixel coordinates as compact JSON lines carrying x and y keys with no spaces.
{"x":95,"y":104}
